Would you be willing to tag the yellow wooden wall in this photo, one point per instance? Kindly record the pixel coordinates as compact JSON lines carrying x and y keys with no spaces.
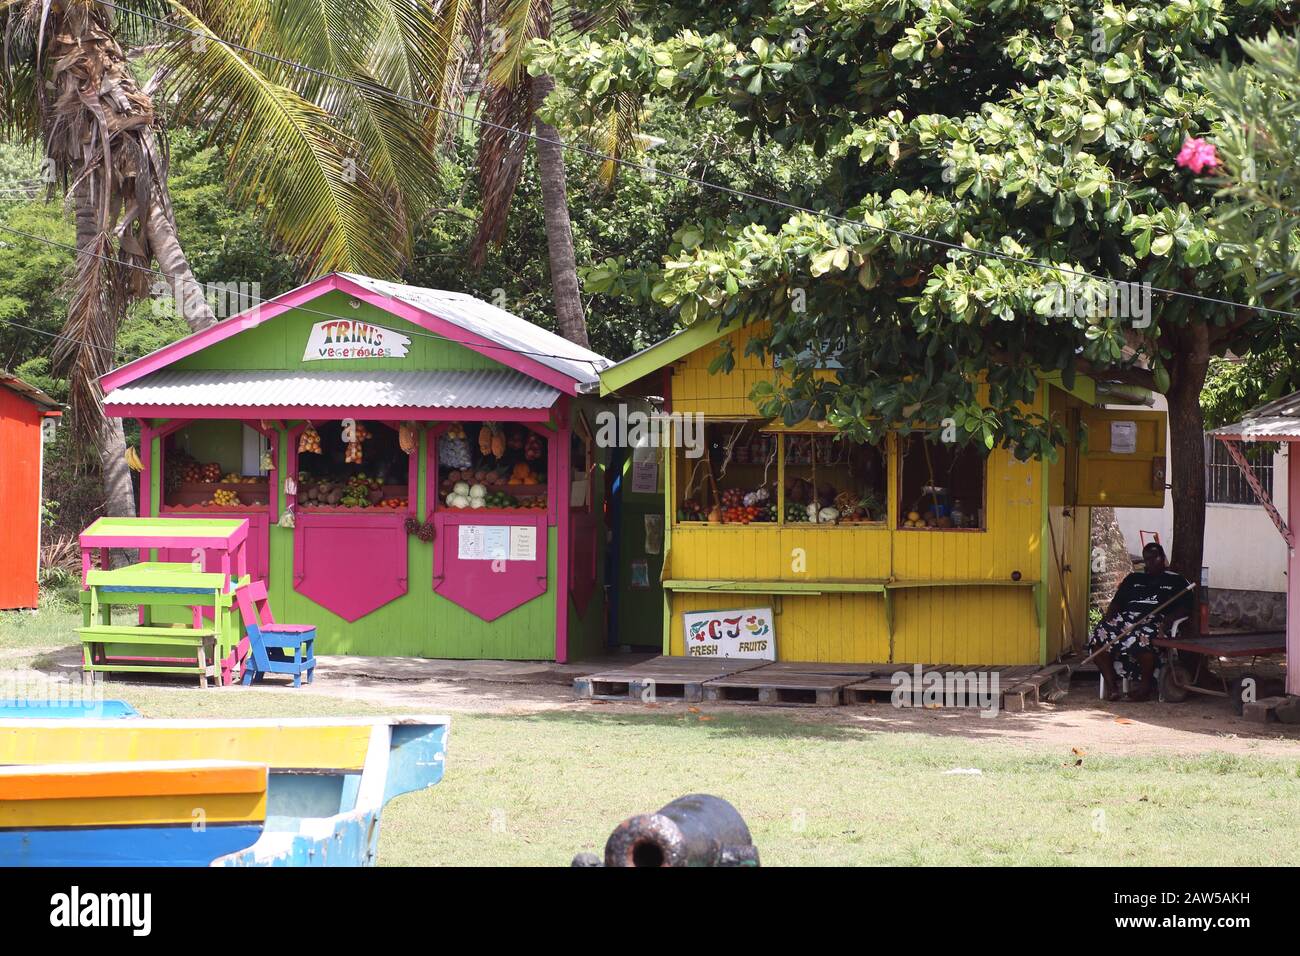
{"x":1070,"y":551}
{"x":958,"y":624}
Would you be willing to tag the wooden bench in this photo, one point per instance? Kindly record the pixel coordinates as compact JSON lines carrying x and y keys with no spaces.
{"x":206,"y":647}
{"x":96,"y":638}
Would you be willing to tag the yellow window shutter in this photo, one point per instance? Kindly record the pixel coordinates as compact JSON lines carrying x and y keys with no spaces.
{"x":1125,"y":465}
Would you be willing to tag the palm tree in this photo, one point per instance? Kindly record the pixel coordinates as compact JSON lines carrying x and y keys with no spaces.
{"x":323,"y":127}
{"x":510,"y":104}
{"x":338,"y":168}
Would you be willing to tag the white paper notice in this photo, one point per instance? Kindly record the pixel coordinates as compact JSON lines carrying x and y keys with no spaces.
{"x":479,"y":542}
{"x":645,"y":476}
{"x":470,"y":543}
{"x":523,"y":543}
{"x":1123,"y":438}
{"x":495,"y":542}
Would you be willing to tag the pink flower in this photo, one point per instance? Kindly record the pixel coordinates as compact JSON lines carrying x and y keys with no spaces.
{"x":1197,"y":155}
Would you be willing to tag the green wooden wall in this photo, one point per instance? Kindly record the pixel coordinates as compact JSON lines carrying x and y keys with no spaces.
{"x":279,"y":343}
{"x":219,"y":441}
{"x":420,"y":623}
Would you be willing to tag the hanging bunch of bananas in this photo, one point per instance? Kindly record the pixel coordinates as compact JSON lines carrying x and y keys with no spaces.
{"x":133,"y":459}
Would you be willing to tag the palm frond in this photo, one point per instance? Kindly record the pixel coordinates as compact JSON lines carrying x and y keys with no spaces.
{"x":457,"y":33}
{"x":617,"y":139}
{"x":508,"y":114}
{"x":288,"y":156}
{"x":508,"y":110}
{"x":516,"y":24}
{"x":85,"y":352}
{"x":20,"y":93}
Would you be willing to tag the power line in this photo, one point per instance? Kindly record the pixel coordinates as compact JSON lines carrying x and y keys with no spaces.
{"x":259,"y":300}
{"x":682,"y":177}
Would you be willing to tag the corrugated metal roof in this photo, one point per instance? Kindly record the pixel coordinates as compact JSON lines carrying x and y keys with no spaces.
{"x":30,"y":392}
{"x":1273,"y":421}
{"x":497,"y":325}
{"x":496,"y":388}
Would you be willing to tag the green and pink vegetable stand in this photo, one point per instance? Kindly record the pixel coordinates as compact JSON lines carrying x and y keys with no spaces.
{"x":415,"y":470}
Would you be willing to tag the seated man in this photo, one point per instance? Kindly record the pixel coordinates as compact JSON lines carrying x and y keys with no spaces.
{"x":1134,"y":656}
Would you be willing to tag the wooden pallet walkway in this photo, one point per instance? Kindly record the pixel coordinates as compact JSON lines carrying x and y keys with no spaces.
{"x":1018,"y":685}
{"x":809,"y":683}
{"x":667,"y":678}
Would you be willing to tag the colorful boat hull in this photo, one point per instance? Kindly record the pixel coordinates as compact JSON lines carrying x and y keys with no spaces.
{"x":16,"y":707}
{"x":149,"y":813}
{"x":293,"y":792}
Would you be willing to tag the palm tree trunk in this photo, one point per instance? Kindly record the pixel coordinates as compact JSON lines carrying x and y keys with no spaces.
{"x":191,"y":303}
{"x":119,"y":498}
{"x":559,"y":231}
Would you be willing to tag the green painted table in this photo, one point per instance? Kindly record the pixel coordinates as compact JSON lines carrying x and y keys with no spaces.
{"x":210,"y":647}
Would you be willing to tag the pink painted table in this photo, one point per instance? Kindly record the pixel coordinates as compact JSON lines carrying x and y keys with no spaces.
{"x":223,"y":537}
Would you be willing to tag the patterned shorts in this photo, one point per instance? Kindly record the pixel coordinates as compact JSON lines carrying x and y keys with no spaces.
{"x":1126,"y":652}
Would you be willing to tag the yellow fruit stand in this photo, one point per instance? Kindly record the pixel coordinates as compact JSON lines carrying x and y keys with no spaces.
{"x":909,"y":551}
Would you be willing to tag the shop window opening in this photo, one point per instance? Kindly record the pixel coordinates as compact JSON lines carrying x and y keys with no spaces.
{"x":498,"y":466}
{"x":734,"y":481}
{"x":582,"y":463}
{"x":941,"y":485}
{"x":824,"y":480}
{"x":352,"y":465}
{"x":833,"y":481}
{"x":211,"y":466}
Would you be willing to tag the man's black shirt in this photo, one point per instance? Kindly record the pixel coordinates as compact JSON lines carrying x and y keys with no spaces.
{"x":1141,"y":592}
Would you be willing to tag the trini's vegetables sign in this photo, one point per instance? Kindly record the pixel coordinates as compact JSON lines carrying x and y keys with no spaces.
{"x":346,"y":339}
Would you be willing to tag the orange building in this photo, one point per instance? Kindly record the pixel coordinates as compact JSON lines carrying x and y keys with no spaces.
{"x":23,"y":409}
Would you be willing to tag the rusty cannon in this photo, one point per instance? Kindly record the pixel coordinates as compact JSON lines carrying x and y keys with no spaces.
{"x":695,"y":830}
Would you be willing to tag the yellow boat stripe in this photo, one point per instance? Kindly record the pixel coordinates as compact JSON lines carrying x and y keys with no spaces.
{"x":140,"y":809}
{"x":174,"y":778}
{"x":281,"y":746}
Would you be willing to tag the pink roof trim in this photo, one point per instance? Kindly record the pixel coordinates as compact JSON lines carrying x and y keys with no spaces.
{"x":325,"y":413}
{"x":265,"y":311}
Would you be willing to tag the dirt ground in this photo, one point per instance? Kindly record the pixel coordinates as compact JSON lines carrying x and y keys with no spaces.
{"x":1080,"y":720}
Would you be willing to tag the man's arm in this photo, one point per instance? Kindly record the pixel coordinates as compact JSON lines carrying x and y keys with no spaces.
{"x":1185,"y":605}
{"x":1120,"y":600}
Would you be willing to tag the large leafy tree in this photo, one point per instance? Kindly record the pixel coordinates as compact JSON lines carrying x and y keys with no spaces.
{"x":973,"y":142}
{"x":1255,"y":138}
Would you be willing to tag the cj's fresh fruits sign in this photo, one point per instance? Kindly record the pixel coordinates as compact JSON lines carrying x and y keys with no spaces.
{"x":742,"y":633}
{"x":346,"y":339}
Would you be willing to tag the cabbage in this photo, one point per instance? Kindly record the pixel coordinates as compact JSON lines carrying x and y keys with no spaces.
{"x":461,"y":488}
{"x":459,"y":501}
{"x":450,"y":499}
{"x":478,"y":491}
{"x":476,"y":502}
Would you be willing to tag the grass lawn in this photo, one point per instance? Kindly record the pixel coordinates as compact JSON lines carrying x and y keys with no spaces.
{"x":535,"y":789}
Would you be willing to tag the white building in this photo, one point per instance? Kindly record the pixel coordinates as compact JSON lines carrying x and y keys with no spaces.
{"x":1245,"y":555}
